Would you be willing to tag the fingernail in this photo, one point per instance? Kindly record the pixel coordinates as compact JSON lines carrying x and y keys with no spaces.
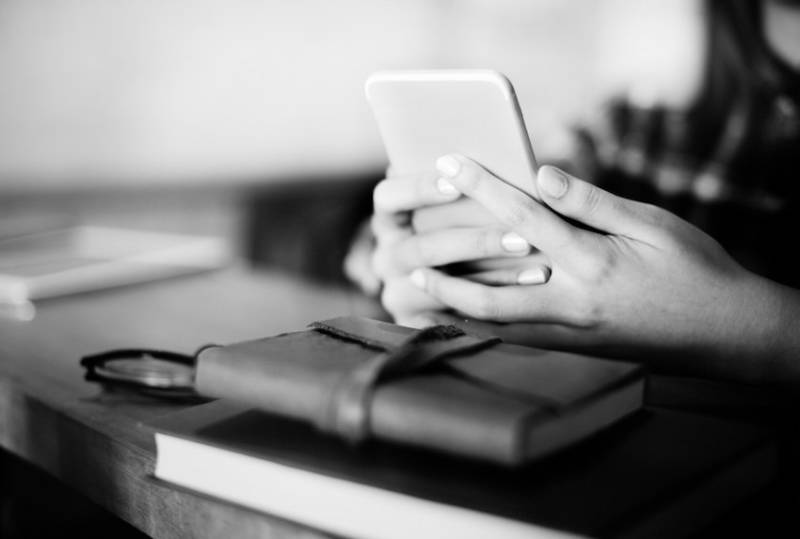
{"x":513,"y":242}
{"x":534,"y":276}
{"x":553,"y":182}
{"x":445,"y":187}
{"x":418,"y":278}
{"x":448,"y":165}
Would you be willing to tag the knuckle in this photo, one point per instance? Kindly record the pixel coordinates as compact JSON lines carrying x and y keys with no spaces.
{"x":664,"y":225}
{"x":591,"y":201}
{"x":485,"y":242}
{"x":652,"y":214}
{"x":647,"y":206}
{"x":587,"y":313}
{"x":656,"y":214}
{"x":519,"y":212}
{"x":583,"y":311}
{"x":604,"y":267}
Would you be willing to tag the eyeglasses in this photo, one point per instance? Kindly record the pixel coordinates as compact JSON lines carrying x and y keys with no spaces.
{"x":160,"y":373}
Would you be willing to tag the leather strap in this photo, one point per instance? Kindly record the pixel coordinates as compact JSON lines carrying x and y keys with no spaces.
{"x":347,"y":412}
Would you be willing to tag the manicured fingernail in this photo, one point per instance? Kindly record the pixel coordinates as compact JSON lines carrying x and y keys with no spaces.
{"x":553,"y":182}
{"x":418,"y":278}
{"x":448,"y":165}
{"x":513,"y":242}
{"x":445,"y":187}
{"x":534,"y":276}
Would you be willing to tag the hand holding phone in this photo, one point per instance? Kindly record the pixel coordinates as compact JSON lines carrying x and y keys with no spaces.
{"x":423,"y":115}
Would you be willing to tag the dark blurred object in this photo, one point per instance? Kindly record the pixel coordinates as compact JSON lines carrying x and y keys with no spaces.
{"x":158,"y":373}
{"x":34,"y":505}
{"x":306,"y":226}
{"x":771,"y":513}
{"x":730,"y":162}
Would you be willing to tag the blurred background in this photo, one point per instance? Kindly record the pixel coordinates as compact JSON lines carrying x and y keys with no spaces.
{"x":247,"y":118}
{"x":107,"y":92}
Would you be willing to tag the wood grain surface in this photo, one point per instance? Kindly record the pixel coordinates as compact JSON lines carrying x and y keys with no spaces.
{"x":93,"y":440}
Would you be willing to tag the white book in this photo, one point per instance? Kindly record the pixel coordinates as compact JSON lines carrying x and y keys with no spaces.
{"x":626,"y":482}
{"x":82,"y":258}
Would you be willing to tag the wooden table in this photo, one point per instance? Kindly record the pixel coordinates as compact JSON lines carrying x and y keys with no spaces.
{"x":92,"y":440}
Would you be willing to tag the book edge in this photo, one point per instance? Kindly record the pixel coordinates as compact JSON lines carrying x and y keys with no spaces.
{"x":327,"y":502}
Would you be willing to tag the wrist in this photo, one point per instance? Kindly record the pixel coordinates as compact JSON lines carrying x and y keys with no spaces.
{"x":781,"y":360}
{"x":765,"y":332}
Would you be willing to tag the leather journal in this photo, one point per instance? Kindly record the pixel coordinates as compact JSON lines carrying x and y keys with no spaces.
{"x":437,"y":388}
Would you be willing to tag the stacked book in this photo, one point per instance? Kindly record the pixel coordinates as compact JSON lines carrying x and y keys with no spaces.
{"x":494,"y":441}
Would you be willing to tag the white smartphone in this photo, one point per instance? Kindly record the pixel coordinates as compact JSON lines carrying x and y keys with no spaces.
{"x":425,"y":114}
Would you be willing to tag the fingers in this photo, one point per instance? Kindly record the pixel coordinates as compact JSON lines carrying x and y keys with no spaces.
{"x":389,"y":227}
{"x":461,"y":212}
{"x":599,"y":209}
{"x":408,"y":305}
{"x":400,"y":194}
{"x":531,"y":269}
{"x":504,"y":277}
{"x":498,"y":304}
{"x":535,"y":258}
{"x":446,"y":247}
{"x":357,"y":263}
{"x":515,"y":209}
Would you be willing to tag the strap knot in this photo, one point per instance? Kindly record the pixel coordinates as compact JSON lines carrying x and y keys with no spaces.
{"x":347,"y":410}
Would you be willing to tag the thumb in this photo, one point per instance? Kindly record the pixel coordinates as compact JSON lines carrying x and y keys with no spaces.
{"x":592,"y":206}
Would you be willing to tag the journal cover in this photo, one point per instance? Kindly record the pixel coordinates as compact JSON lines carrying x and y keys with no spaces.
{"x":437,"y":388}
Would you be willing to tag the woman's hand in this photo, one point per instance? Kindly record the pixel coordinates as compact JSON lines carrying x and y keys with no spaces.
{"x":403,"y":244}
{"x":631,"y":278}
{"x":411,"y":205}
